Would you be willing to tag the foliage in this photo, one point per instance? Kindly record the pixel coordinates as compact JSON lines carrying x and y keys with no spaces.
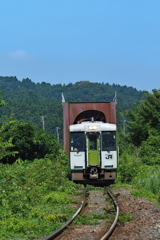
{"x":148,"y":178}
{"x":2,"y":102}
{"x":139,"y":166}
{"x":62,"y":158}
{"x":145,"y":119}
{"x":150,"y":150}
{"x":129,"y":164}
{"x":44,"y":143}
{"x":33,"y":198}
{"x":124,"y":217}
{"x":35,"y":194}
{"x":122,"y":142}
{"x":22,"y":142}
{"x":143,"y":179}
{"x":5,"y":145}
{"x":90,"y":187}
{"x":91,"y":219}
{"x":21,"y":135}
{"x":29,"y":101}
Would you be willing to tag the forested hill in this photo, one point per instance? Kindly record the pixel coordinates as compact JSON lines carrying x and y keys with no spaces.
{"x":28,"y":101}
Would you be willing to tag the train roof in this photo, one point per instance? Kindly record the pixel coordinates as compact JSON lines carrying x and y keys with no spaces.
{"x":90,"y":126}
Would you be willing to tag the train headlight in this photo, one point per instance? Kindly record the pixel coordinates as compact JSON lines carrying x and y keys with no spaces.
{"x":92,"y":127}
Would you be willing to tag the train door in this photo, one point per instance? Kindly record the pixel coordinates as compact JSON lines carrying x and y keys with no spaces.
{"x":93,"y":149}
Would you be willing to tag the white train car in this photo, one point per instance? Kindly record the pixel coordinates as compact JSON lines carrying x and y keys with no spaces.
{"x":93,"y":156}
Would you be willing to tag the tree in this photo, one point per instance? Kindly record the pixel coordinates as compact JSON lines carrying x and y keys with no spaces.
{"x":21,"y":136}
{"x":2,"y":103}
{"x":26,"y":144}
{"x":145,"y":118}
{"x":45,"y":143}
{"x":150,"y":150}
{"x":5,"y":145}
{"x":28,"y":101}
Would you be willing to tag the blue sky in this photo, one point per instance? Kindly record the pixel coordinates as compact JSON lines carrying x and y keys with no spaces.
{"x":65,"y":41}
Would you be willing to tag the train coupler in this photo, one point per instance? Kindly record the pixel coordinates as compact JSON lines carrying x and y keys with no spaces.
{"x":93,"y":173}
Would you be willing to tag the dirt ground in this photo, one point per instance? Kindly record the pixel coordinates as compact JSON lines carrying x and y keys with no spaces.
{"x":144,"y":226}
{"x":146,"y":218}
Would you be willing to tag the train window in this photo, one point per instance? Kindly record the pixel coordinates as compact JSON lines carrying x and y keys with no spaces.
{"x":109,"y":141}
{"x":77,"y":141}
{"x":93,"y":142}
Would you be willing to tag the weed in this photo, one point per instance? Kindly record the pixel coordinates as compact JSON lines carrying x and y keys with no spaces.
{"x":144,"y":193}
{"x":109,"y":209}
{"x":90,"y":187}
{"x":124,"y":217}
{"x":93,"y":219}
{"x":109,"y":200}
{"x":85,"y":204}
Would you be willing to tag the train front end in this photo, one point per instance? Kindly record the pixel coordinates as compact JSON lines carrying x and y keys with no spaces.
{"x":93,"y":156}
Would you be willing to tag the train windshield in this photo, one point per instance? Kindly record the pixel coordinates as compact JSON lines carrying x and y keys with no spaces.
{"x":77,"y":141}
{"x":109,"y":141}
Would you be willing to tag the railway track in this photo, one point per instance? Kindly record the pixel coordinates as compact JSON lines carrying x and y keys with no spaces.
{"x":92,"y":231}
{"x":60,"y":230}
{"x":108,"y":233}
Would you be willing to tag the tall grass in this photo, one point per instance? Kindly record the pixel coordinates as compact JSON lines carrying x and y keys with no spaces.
{"x":131,"y":170}
{"x":148,"y":177}
{"x":129,"y":164}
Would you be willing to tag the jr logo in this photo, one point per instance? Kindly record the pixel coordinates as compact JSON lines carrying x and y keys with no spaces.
{"x":109,"y":156}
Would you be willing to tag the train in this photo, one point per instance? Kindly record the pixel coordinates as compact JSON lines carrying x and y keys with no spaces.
{"x":90,"y":141}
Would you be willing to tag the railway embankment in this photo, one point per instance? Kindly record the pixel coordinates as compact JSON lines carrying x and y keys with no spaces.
{"x":139,"y":217}
{"x":145,"y":213}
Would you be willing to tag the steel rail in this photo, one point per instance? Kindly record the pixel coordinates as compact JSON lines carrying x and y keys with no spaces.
{"x":59,"y":230}
{"x":108,"y":233}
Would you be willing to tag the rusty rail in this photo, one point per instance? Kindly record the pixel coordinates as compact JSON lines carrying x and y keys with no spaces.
{"x":60,"y":230}
{"x":108,"y":233}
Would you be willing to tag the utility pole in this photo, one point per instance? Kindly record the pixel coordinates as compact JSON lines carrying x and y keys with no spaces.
{"x":42,"y":120}
{"x":57,"y":133}
{"x":124,"y":126}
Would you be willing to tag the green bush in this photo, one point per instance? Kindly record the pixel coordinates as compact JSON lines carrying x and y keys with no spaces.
{"x":23,"y":142}
{"x":150,"y":150}
{"x":34,"y":198}
{"x":129,"y":164}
